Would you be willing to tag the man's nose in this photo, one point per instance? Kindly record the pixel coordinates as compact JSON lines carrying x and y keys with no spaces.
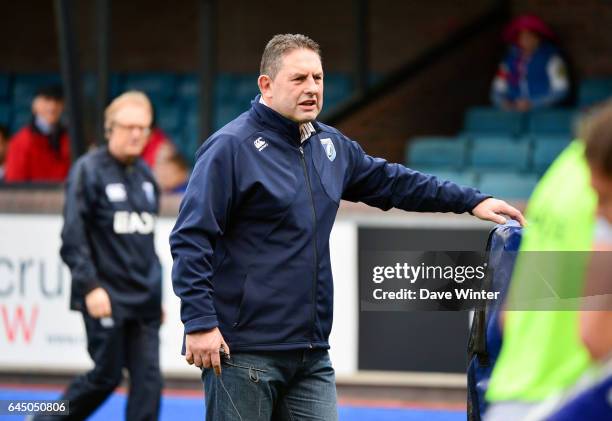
{"x":311,"y":86}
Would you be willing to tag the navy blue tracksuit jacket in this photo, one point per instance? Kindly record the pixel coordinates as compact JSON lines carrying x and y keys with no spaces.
{"x":251,"y":242}
{"x":107,"y":237}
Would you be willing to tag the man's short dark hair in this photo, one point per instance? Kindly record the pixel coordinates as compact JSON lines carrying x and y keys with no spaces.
{"x":598,"y":138}
{"x":51,"y":92}
{"x":280,"y":45}
{"x":4,"y":132}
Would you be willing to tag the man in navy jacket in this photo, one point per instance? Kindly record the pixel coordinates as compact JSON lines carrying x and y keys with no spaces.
{"x":251,"y":243}
{"x":112,"y":202}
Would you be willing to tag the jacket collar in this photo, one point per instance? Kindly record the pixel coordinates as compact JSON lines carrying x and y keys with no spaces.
{"x":277,"y":122}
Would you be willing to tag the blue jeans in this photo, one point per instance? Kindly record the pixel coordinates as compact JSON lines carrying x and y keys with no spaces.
{"x":276,"y":385}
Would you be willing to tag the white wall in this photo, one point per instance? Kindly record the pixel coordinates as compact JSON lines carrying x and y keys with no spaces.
{"x":39,"y":333}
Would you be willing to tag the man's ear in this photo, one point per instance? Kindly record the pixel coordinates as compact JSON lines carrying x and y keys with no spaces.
{"x":35,"y":105}
{"x":265,"y":86}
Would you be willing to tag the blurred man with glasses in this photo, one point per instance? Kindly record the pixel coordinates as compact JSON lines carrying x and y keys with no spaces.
{"x":107,"y":241}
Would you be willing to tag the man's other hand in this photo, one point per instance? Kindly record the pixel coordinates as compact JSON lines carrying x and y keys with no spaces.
{"x":98,"y":303}
{"x":492,"y":210}
{"x":202,"y":349}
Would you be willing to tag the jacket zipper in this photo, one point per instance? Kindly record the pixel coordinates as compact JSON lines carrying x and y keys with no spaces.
{"x":316,"y":254}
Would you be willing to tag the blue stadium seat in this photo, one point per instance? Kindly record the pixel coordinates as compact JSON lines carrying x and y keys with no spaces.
{"x":224,"y":88}
{"x":508,"y":185}
{"x":491,"y":139}
{"x":245,"y":89}
{"x":176,"y":136}
{"x":190,"y":139}
{"x":463,"y":178}
{"x":5,"y":83}
{"x":549,"y":122}
{"x":487,"y":120}
{"x":500,"y":156}
{"x":546,"y":149}
{"x":338,"y":88}
{"x":26,"y":85}
{"x":5,"y":114}
{"x":159,"y":87}
{"x":225,"y":113}
{"x":439,"y":152}
{"x":188,"y":86}
{"x":592,"y":91}
{"x":20,"y":118}
{"x":169,"y":116}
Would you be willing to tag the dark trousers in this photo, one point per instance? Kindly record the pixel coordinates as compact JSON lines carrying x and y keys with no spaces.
{"x":131,"y":344}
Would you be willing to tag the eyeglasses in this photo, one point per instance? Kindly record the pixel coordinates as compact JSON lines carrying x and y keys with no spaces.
{"x":145,"y":130}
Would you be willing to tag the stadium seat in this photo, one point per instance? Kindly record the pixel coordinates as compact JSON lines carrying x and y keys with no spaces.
{"x":547,"y":122}
{"x":245,"y":89}
{"x":446,"y":153}
{"x":463,"y":178}
{"x":26,"y":85}
{"x":338,"y":87}
{"x":224,"y":88}
{"x":546,"y":149}
{"x":487,"y":120}
{"x":160,"y":87}
{"x":508,"y":185}
{"x":592,"y":91}
{"x":5,"y":83}
{"x":500,"y":156}
{"x":5,"y":114}
{"x":188,"y":86}
{"x":169,"y":116}
{"x":491,"y":140}
{"x":225,"y":113}
{"x":20,"y":118}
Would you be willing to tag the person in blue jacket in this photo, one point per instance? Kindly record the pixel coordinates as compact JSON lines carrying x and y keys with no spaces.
{"x":111,"y":205}
{"x":533,"y":73}
{"x":251,"y":243}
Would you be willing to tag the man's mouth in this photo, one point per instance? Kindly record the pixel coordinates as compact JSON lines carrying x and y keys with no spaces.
{"x":308,"y":103}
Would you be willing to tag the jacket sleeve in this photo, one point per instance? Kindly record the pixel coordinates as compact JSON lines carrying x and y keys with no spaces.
{"x":75,"y":250}
{"x":384,"y":185}
{"x":556,"y":71}
{"x":203,"y":218}
{"x":16,"y":166}
{"x":499,"y":86}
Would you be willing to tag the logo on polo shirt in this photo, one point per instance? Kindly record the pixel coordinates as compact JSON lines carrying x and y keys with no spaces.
{"x":260,"y":144}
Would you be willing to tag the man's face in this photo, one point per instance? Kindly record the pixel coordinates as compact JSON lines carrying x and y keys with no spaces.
{"x":129,"y":131}
{"x":602,"y":184}
{"x":528,"y":41}
{"x":297,"y":90}
{"x":49,"y":109}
